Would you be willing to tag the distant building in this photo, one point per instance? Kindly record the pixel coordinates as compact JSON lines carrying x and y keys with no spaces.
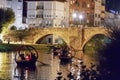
{"x":2,"y":3}
{"x":87,"y":12}
{"x":46,"y":13}
{"x":56,"y":13}
{"x":112,"y":19}
{"x":17,"y":6}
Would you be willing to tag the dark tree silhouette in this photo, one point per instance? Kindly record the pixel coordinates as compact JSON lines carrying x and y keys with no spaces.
{"x":110,"y":57}
{"x":7,"y":17}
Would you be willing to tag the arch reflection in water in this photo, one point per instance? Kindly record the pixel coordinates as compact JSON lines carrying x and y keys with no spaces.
{"x":25,"y":73}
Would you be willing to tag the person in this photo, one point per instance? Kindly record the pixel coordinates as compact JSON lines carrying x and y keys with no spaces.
{"x":27,"y":57}
{"x":59,"y":75}
{"x":33,"y":57}
{"x":22,"y":57}
{"x":70,"y":76}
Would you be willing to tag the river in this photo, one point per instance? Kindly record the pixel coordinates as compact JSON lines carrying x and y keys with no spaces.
{"x":10,"y":71}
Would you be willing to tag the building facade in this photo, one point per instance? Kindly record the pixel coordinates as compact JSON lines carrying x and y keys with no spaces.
{"x":56,"y":13}
{"x":17,"y":7}
{"x":86,"y":12}
{"x":50,"y":13}
{"x":3,"y":3}
{"x":112,"y":19}
{"x":81,"y":12}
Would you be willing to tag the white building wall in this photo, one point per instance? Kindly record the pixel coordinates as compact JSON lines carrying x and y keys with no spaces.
{"x":31,"y":12}
{"x":48,"y":14}
{"x":53,"y":13}
{"x":3,"y":3}
{"x":17,"y":5}
{"x":58,"y":14}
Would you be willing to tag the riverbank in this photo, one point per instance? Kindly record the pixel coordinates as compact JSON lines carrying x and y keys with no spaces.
{"x":13,"y":47}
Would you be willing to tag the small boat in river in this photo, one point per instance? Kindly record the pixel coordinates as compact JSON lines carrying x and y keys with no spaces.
{"x":65,"y":55}
{"x":26,"y":56}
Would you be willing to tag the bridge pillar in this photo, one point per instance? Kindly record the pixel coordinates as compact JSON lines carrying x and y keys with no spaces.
{"x":76,"y":41}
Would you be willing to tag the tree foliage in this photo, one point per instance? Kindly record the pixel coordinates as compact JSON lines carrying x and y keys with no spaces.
{"x":6,"y":17}
{"x":17,"y":35}
{"x":110,"y":56}
{"x":13,"y":28}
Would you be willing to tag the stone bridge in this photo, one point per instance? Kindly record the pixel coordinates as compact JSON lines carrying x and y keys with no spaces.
{"x":76,"y":37}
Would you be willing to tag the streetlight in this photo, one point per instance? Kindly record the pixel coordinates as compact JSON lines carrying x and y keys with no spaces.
{"x":80,"y":17}
{"x":74,"y":15}
{"x":77,"y":17}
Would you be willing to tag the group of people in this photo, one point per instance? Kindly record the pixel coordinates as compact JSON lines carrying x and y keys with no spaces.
{"x":83,"y":73}
{"x":28,"y":57}
{"x":64,"y":51}
{"x":80,"y":72}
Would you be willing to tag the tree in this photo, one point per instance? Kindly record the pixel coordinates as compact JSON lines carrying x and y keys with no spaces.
{"x":17,"y":35}
{"x":7,"y":17}
{"x":110,"y":56}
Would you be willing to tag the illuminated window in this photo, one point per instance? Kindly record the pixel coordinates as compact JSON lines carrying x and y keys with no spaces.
{"x":70,"y":2}
{"x":88,"y":5}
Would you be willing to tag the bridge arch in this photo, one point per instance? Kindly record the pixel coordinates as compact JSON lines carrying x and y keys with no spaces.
{"x":40,"y":39}
{"x":63,"y":37}
{"x":49,"y":36}
{"x":88,"y":39}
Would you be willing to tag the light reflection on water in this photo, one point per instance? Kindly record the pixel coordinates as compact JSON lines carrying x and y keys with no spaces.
{"x":10,"y":71}
{"x":6,"y":66}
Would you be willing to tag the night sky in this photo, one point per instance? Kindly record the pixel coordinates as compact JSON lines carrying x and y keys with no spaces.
{"x":113,"y":4}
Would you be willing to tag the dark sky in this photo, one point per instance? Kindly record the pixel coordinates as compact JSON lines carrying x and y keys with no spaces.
{"x":113,"y":4}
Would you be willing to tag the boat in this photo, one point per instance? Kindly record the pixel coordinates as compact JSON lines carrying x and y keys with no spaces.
{"x":64,"y":59}
{"x":26,"y":56}
{"x":65,"y":56}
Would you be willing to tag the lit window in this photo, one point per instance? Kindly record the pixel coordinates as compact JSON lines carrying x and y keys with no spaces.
{"x":88,"y":5}
{"x":71,"y":2}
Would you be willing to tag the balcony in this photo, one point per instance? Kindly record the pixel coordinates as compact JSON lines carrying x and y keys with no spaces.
{"x":39,"y":7}
{"x":39,"y":16}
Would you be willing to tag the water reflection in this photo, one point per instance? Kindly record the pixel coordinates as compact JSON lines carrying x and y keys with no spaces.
{"x":10,"y":71}
{"x":25,"y":73}
{"x":6,"y":66}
